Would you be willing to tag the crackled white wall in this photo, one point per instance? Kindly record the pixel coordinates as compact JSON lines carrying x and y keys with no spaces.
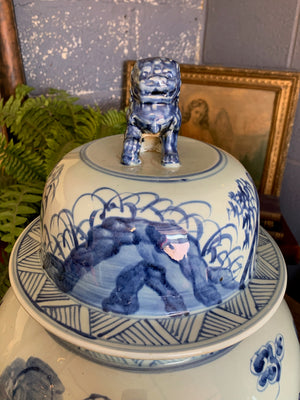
{"x":81,"y":45}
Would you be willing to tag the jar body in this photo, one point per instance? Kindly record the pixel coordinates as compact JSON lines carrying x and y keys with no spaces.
{"x":33,"y":365}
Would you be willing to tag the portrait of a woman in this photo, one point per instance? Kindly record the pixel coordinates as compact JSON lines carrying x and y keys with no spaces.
{"x":195,"y":121}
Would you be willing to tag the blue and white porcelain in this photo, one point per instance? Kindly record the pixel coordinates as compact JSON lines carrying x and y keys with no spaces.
{"x":155,"y":87}
{"x":129,"y":229}
{"x":146,"y":342}
{"x":64,"y":341}
{"x":34,"y":365}
{"x":147,"y":275}
{"x":149,"y":240}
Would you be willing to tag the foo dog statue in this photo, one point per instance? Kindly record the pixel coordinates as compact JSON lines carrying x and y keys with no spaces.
{"x":155,"y":87}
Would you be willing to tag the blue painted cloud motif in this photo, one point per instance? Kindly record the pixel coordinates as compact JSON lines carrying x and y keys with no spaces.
{"x":33,"y":380}
{"x":266,"y":363}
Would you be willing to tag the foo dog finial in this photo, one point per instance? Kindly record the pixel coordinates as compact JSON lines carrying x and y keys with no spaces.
{"x":155,"y":87}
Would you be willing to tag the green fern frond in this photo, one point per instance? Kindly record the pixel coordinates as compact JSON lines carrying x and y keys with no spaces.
{"x":114,"y":118}
{"x":6,"y":180}
{"x":88,"y":124}
{"x":62,"y":95}
{"x":113,"y":123}
{"x":42,"y":117}
{"x":9,"y":110}
{"x":46,"y":117}
{"x":33,"y":121}
{"x":21,"y":163}
{"x":4,"y":278}
{"x":19,"y":205}
{"x":58,"y":147}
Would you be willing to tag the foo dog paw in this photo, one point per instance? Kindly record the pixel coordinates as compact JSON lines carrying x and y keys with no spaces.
{"x":131,"y":151}
{"x":171,"y":159}
{"x":130,"y":160}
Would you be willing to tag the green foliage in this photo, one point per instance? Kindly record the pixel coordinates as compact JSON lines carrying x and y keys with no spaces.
{"x":19,"y":203}
{"x":43,"y":129}
{"x":4,"y":279}
{"x":21,"y":162}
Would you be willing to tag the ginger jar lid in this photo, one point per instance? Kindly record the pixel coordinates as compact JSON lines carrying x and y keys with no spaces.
{"x":148,"y":240}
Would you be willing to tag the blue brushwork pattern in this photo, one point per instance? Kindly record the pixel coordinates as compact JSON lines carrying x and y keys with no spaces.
{"x":52,"y":184}
{"x":33,"y":379}
{"x":156,"y":236}
{"x":266,"y":364}
{"x":243,"y":206}
{"x":162,"y":234}
{"x":30,"y":380}
{"x":155,"y":87}
{"x":214,"y":324}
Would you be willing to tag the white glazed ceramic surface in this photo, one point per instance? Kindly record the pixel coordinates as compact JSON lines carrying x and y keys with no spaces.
{"x":147,"y":283}
{"x":34,"y":366}
{"x":147,"y":343}
{"x":149,"y":240}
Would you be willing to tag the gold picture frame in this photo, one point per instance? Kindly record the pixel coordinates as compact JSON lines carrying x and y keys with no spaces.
{"x":248,"y":112}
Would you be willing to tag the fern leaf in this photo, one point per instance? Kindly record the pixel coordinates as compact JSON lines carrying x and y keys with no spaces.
{"x":113,"y":123}
{"x":5,"y":180}
{"x":34,"y":121}
{"x":16,"y":211}
{"x":21,"y":163}
{"x":4,"y":279}
{"x":113,"y":118}
{"x":39,"y":117}
{"x":87,"y":124}
{"x":10,"y":109}
{"x":62,"y":95}
{"x":58,"y":147}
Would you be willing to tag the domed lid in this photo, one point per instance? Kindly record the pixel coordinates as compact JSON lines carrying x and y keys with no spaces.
{"x":145,"y":251}
{"x":149,"y":240}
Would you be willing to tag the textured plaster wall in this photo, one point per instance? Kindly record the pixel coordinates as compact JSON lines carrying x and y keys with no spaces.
{"x":261,"y":34}
{"x":80,"y":45}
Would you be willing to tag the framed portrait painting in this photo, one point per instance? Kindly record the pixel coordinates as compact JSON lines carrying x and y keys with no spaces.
{"x":247,"y":112}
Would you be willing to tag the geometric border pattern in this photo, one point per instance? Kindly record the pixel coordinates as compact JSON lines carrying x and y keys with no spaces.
{"x":146,"y":338}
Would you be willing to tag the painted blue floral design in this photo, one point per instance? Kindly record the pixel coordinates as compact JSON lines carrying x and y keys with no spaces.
{"x":266,"y":364}
{"x":243,"y":207}
{"x":33,"y":380}
{"x":52,"y":184}
{"x":30,"y":380}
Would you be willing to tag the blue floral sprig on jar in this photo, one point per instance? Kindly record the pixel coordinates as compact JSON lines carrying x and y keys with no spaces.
{"x":266,"y":364}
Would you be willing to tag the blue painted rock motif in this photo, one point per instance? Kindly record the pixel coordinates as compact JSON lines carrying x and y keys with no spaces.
{"x":160,"y":254}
